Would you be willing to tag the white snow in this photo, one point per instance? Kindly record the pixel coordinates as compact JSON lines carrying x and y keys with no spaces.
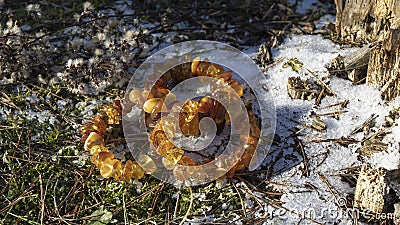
{"x":305,"y":194}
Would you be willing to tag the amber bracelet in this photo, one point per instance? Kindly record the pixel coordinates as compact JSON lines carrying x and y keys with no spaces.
{"x":152,"y":102}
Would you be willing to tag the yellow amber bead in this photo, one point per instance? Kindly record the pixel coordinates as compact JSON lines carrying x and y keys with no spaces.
{"x":150,"y":105}
{"x":117,"y":170}
{"x":160,"y":141}
{"x":225,"y":76}
{"x":174,"y":155}
{"x":106,"y":169}
{"x":202,"y":67}
{"x":214,"y":70}
{"x":112,"y":114}
{"x":186,"y":161}
{"x":189,"y":110}
{"x":195,"y":63}
{"x":128,"y":171}
{"x":236,"y":86}
{"x":147,"y":163}
{"x":137,"y":171}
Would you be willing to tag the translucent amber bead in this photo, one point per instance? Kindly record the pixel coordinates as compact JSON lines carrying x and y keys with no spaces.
{"x":255,"y":130}
{"x":162,"y":81}
{"x":159,"y":110}
{"x":183,"y":173}
{"x":253,"y":141}
{"x":112,"y":114}
{"x":195,"y":63}
{"x":186,"y":161}
{"x":186,"y":69}
{"x":159,"y":92}
{"x":96,"y":149}
{"x":117,"y":170}
{"x":99,"y":124}
{"x":203,"y":67}
{"x":214,"y":70}
{"x":135,"y":96}
{"x":137,"y":171}
{"x":92,"y":140}
{"x":160,"y":141}
{"x":236,"y":86}
{"x":190,"y":128}
{"x":89,"y":127}
{"x":128,"y":171}
{"x":99,"y":158}
{"x":168,"y":164}
{"x":106,"y":169}
{"x":206,"y":105}
{"x":168,"y":125}
{"x":225,"y":76}
{"x":227,"y":118}
{"x":174,"y":155}
{"x":189,"y":110}
{"x":220,"y":115}
{"x":147,"y":163}
{"x":154,"y":105}
{"x":246,"y":157}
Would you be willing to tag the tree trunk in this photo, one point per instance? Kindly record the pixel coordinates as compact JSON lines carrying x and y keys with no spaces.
{"x":378,"y":21}
{"x":384,"y":65}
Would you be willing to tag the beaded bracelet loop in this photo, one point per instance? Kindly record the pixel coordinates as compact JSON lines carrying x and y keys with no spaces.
{"x":153,"y":104}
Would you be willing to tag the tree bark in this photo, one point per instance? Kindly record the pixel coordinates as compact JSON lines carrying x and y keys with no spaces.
{"x":378,"y":21}
{"x":384,"y":65}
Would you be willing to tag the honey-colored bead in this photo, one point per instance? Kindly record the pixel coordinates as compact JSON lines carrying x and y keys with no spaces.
{"x":191,"y":128}
{"x":214,"y":70}
{"x":167,"y":164}
{"x":147,"y":163}
{"x":253,"y":141}
{"x":137,"y":171}
{"x":98,"y":159}
{"x":189,"y":110}
{"x":186,"y":69}
{"x":99,"y":124}
{"x":225,"y":76}
{"x":106,"y":169}
{"x":96,"y":149}
{"x":184,"y":173}
{"x":128,"y":171}
{"x":94,"y":139}
{"x":206,"y":105}
{"x":117,"y":170}
{"x":236,"y":86}
{"x":246,"y":157}
{"x":159,"y":92}
{"x":112,"y":114}
{"x":135,"y":96}
{"x":195,"y":63}
{"x":227,"y":118}
{"x":88,"y":127}
{"x":186,"y":161}
{"x":151,"y":104}
{"x":202,"y":67}
{"x":220,"y":115}
{"x":189,"y":118}
{"x":174,"y":155}
{"x":168,"y":125}
{"x":160,"y":142}
{"x":176,"y":74}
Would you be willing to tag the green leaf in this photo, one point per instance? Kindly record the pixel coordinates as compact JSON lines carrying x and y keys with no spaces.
{"x":100,"y":217}
{"x":294,"y":63}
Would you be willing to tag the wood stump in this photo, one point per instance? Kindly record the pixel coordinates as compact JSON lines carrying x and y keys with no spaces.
{"x":374,"y":21}
{"x":371,"y":190}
